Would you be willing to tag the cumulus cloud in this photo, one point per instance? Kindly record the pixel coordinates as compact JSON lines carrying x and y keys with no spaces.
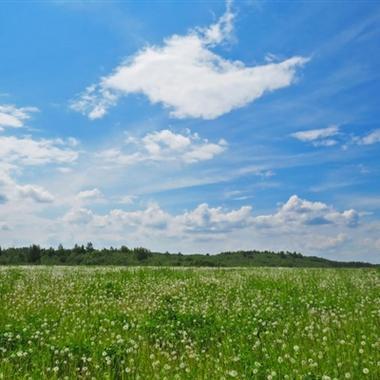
{"x":10,"y":190}
{"x":208,"y":219}
{"x":18,"y":152}
{"x":152,"y":217}
{"x":13,"y":117}
{"x":36,"y":193}
{"x":28,"y":151}
{"x":188,"y":78}
{"x":202,"y":220}
{"x":164,"y":145}
{"x":300,"y":212}
{"x":92,"y":194}
{"x":318,"y":137}
{"x":79,"y":215}
{"x":297,"y":225}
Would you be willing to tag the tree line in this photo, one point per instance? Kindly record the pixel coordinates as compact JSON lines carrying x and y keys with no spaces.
{"x":88,"y":255}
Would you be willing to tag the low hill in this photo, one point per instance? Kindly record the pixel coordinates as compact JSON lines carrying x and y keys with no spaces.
{"x":81,"y":255}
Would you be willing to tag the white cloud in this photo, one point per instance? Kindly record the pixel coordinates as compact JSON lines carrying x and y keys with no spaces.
{"x":372,"y":138}
{"x":300,"y":212}
{"x":298,"y":225}
{"x":93,"y":194}
{"x":13,"y":117}
{"x":188,"y":78}
{"x":152,"y":217}
{"x":72,"y":141}
{"x":156,"y":141}
{"x":18,"y":152}
{"x":95,"y":101}
{"x":127,"y":199}
{"x":165,"y":145}
{"x":78,"y":216}
{"x":204,"y":152}
{"x":206,"y":219}
{"x":36,"y":193}
{"x":295,"y":214}
{"x":11,"y":191}
{"x":318,"y":137}
{"x":64,"y":169}
{"x":220,"y":31}
{"x":202,"y":220}
{"x":27,"y":151}
{"x":256,"y":171}
{"x":326,"y":142}
{"x":329,"y":137}
{"x":326,"y":242}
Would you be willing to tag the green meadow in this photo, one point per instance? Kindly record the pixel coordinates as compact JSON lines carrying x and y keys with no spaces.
{"x":189,"y":323}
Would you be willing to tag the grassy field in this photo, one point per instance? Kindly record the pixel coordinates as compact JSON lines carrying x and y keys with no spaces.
{"x":119,"y":323}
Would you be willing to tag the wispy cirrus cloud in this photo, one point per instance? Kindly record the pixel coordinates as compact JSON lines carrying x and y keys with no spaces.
{"x":332,"y":135}
{"x":187,"y":77}
{"x":318,"y":137}
{"x":371,"y":138}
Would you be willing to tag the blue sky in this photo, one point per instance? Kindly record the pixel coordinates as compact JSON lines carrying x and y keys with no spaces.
{"x":191,"y":126}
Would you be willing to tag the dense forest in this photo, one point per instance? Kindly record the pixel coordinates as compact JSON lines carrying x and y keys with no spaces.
{"x":88,"y":255}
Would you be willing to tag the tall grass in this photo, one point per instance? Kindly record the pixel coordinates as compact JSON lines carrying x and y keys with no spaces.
{"x":150,"y":323}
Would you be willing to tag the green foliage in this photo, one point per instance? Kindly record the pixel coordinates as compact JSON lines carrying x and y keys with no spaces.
{"x":81,"y":255}
{"x":34,"y":254}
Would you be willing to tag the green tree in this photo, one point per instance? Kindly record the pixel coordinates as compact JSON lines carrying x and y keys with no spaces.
{"x":90,"y":247}
{"x":34,"y":254}
{"x":141,"y":253}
